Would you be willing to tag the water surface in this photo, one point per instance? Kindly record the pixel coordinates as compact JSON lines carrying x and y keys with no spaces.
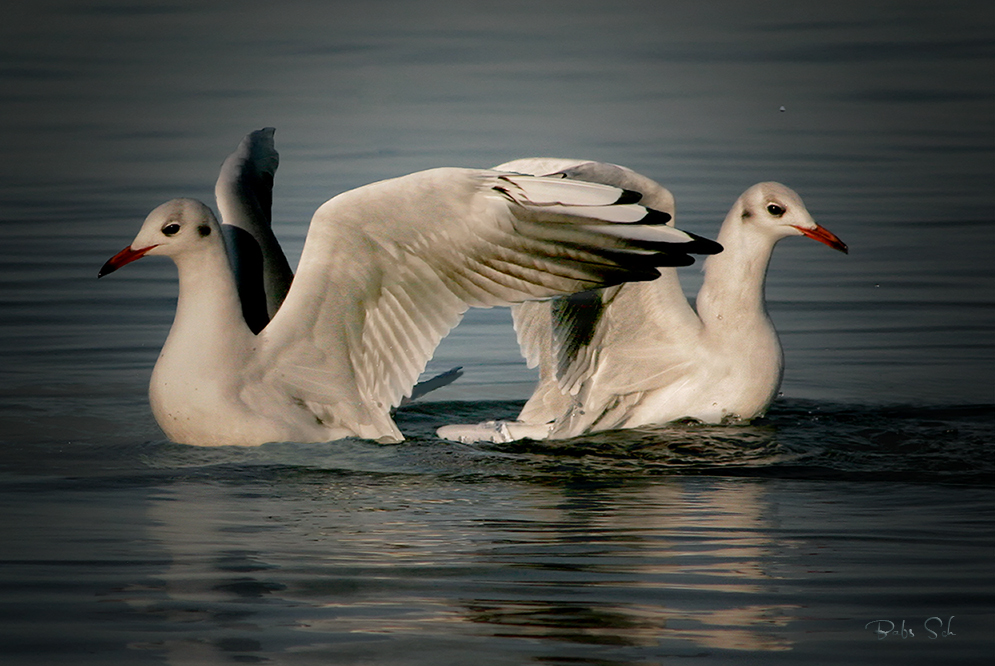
{"x":864,"y":499}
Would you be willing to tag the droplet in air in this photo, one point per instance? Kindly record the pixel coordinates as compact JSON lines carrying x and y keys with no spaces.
{"x":782,"y":109}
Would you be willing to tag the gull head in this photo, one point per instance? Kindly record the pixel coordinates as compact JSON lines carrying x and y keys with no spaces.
{"x":177,"y":227}
{"x":777,"y":212}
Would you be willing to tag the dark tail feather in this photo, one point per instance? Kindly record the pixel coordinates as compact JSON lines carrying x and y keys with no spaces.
{"x":421,"y":388}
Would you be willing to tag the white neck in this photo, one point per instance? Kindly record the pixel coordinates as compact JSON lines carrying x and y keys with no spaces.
{"x":209,"y":342}
{"x":736,"y":328}
{"x":732,"y":293}
{"x":208,"y":311}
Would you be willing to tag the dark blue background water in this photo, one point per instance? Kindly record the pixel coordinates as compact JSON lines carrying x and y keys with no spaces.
{"x":864,"y":496}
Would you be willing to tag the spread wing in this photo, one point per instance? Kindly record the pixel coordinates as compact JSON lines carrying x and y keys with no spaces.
{"x":244,"y":193}
{"x":594,"y":347}
{"x":388,"y":269}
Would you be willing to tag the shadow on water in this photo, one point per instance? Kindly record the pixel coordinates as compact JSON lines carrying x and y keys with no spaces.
{"x":798,"y":439}
{"x":686,"y":541}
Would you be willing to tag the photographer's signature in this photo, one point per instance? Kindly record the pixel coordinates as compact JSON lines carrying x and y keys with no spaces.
{"x":934,"y":628}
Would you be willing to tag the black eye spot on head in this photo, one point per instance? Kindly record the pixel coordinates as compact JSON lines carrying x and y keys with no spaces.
{"x":171,"y":229}
{"x":775,"y":210}
{"x":204,"y":230}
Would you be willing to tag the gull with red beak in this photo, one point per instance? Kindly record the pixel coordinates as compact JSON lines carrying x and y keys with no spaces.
{"x":639,"y":354}
{"x":386,"y":271}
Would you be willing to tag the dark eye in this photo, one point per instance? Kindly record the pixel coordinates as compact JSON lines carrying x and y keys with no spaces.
{"x":171,"y":229}
{"x":775,"y":210}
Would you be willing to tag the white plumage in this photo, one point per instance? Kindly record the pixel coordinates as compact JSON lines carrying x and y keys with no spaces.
{"x":386,"y":271}
{"x":638,"y":354}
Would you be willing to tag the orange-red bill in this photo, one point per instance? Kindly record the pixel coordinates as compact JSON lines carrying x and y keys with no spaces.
{"x":823,"y":235}
{"x":125,"y":256}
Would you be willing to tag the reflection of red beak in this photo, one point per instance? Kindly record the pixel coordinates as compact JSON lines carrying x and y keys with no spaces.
{"x":823,"y":235}
{"x":125,"y":256}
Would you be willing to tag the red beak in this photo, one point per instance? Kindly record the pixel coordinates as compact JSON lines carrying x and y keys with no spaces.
{"x":823,"y":235}
{"x":125,"y":256}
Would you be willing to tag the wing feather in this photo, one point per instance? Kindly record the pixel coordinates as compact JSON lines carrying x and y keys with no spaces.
{"x":388,"y":269}
{"x":244,"y":193}
{"x":593,"y":351}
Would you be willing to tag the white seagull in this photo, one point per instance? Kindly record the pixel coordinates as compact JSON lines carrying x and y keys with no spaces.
{"x":639,"y":354}
{"x":257,"y":355}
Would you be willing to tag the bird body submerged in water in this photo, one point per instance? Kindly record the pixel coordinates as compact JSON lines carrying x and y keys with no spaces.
{"x":256,"y":354}
{"x":638,"y":354}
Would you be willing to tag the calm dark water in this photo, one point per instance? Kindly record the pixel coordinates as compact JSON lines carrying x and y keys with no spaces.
{"x":863,"y":501}
{"x":774,"y":543}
